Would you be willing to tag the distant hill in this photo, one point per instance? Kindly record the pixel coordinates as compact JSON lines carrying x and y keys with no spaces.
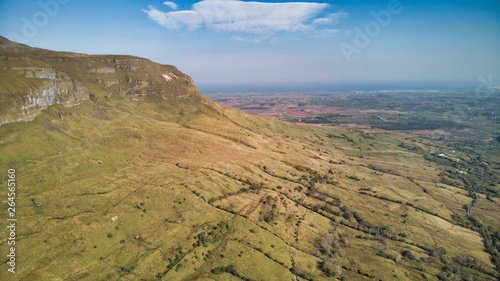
{"x":125,"y":171}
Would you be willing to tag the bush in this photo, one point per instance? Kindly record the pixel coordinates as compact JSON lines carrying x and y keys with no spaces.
{"x":269,"y":211}
{"x":331,"y":266}
{"x":231,"y":270}
{"x":408,"y":254}
{"x":126,"y":269}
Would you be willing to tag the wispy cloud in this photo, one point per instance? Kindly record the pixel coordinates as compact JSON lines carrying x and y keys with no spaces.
{"x":245,"y":17}
{"x":172,"y":5}
{"x":331,"y":18}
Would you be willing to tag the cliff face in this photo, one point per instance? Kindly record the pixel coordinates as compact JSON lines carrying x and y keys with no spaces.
{"x":49,"y":88}
{"x":33,"y":79}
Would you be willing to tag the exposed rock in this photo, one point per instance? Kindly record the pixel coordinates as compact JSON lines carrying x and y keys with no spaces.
{"x":101,"y":70}
{"x":61,"y":59}
{"x":36,"y":72}
{"x":108,"y":82}
{"x":61,"y":90}
{"x":15,"y":58}
{"x":170,"y":76}
{"x":129,"y":63}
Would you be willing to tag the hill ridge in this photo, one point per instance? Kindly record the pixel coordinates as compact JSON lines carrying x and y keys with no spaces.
{"x":36,"y":78}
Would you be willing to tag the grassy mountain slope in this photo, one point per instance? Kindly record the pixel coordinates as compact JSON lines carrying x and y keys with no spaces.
{"x":127,"y":174}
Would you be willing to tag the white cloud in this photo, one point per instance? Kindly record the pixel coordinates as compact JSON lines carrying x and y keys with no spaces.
{"x":331,"y":18}
{"x":321,"y":21}
{"x":338,"y":15}
{"x":247,"y":17}
{"x":255,"y":39}
{"x":172,"y":5}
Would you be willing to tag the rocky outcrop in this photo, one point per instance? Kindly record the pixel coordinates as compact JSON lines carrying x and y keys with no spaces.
{"x":101,"y":70}
{"x":61,"y":59}
{"x":107,"y":83}
{"x":54,"y":90}
{"x":35,"y":72}
{"x":133,"y":64}
{"x":66,"y":92}
{"x":14,"y":58}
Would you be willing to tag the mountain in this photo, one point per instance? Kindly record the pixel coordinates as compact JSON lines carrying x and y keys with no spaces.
{"x":34,"y":79}
{"x":125,"y":171}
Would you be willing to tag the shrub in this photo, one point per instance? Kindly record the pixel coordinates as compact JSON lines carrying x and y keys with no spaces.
{"x":408,"y":254}
{"x":331,"y":266}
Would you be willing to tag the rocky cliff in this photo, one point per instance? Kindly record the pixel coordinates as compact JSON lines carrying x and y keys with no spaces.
{"x":33,"y":79}
{"x":44,"y":87}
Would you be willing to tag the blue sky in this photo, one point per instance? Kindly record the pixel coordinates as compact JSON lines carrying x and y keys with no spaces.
{"x":241,"y":46}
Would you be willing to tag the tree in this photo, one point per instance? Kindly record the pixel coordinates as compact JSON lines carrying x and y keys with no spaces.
{"x":328,"y":243}
{"x":331,"y":266}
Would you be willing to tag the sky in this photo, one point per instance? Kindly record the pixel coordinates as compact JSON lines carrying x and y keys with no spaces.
{"x":277,"y":46}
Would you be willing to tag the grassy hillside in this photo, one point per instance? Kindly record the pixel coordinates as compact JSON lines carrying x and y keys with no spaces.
{"x":147,"y":179}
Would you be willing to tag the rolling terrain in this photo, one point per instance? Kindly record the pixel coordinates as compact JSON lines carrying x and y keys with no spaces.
{"x":125,"y":171}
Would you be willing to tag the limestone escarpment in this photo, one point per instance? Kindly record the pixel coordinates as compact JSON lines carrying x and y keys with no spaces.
{"x":32,"y":80}
{"x":41,"y":88}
